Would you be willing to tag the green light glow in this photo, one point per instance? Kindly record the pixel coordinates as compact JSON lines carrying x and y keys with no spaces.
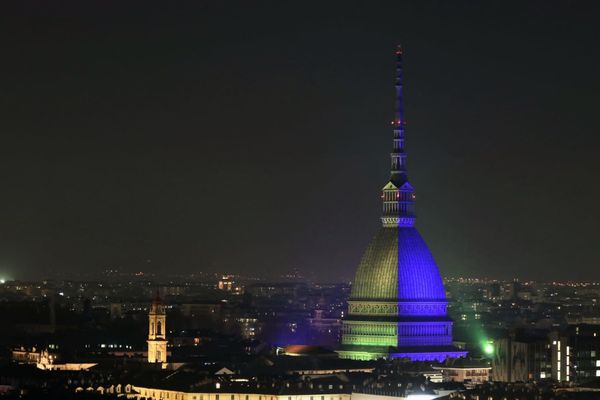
{"x":488,"y":348}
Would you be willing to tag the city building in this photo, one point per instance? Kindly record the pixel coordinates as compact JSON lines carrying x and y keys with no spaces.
{"x":569,"y":355}
{"x":465,"y":370}
{"x":228,"y":284}
{"x":521,"y":357}
{"x":576,"y":353}
{"x":397,"y":305}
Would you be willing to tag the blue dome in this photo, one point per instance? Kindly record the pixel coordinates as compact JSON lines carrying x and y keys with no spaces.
{"x":398,"y":266}
{"x":418,"y":274}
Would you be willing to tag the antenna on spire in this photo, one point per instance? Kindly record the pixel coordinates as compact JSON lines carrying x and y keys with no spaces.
{"x":399,"y":112}
{"x":398,"y":154}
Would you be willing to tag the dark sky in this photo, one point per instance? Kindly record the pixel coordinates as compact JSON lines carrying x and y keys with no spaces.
{"x":253,"y":136}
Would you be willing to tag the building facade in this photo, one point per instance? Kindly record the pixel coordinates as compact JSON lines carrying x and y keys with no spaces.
{"x":397,"y":306}
{"x":570,"y":355}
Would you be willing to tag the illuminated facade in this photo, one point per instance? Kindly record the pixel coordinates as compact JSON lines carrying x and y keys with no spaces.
{"x":397,"y":306}
{"x":157,"y":328}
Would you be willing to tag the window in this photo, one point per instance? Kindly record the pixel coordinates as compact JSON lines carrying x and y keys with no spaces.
{"x":159,"y":328}
{"x":232,"y":397}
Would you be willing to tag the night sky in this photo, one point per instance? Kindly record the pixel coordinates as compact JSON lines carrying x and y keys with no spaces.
{"x":254,"y":136}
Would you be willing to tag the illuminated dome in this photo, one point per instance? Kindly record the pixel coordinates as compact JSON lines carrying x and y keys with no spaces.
{"x":398,"y":266}
{"x":397,"y":306}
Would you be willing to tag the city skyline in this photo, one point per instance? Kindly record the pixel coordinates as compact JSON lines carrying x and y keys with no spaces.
{"x":193,"y":139}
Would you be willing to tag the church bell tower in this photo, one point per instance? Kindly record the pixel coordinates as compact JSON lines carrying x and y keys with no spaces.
{"x":157,"y":327}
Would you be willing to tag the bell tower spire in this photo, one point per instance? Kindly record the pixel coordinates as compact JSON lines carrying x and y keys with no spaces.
{"x":157,"y":331}
{"x":398,"y":195}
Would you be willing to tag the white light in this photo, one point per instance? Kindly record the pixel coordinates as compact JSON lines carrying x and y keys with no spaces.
{"x":2,"y":281}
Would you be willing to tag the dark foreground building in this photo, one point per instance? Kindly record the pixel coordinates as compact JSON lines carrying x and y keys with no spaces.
{"x":397,"y":306}
{"x":571,"y":355}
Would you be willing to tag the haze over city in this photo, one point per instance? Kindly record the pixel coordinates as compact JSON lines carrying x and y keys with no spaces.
{"x":202,"y":136}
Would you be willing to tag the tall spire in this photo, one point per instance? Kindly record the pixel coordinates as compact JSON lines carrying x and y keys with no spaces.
{"x":398,"y":195}
{"x":399,"y":105}
{"x":398,"y":156}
